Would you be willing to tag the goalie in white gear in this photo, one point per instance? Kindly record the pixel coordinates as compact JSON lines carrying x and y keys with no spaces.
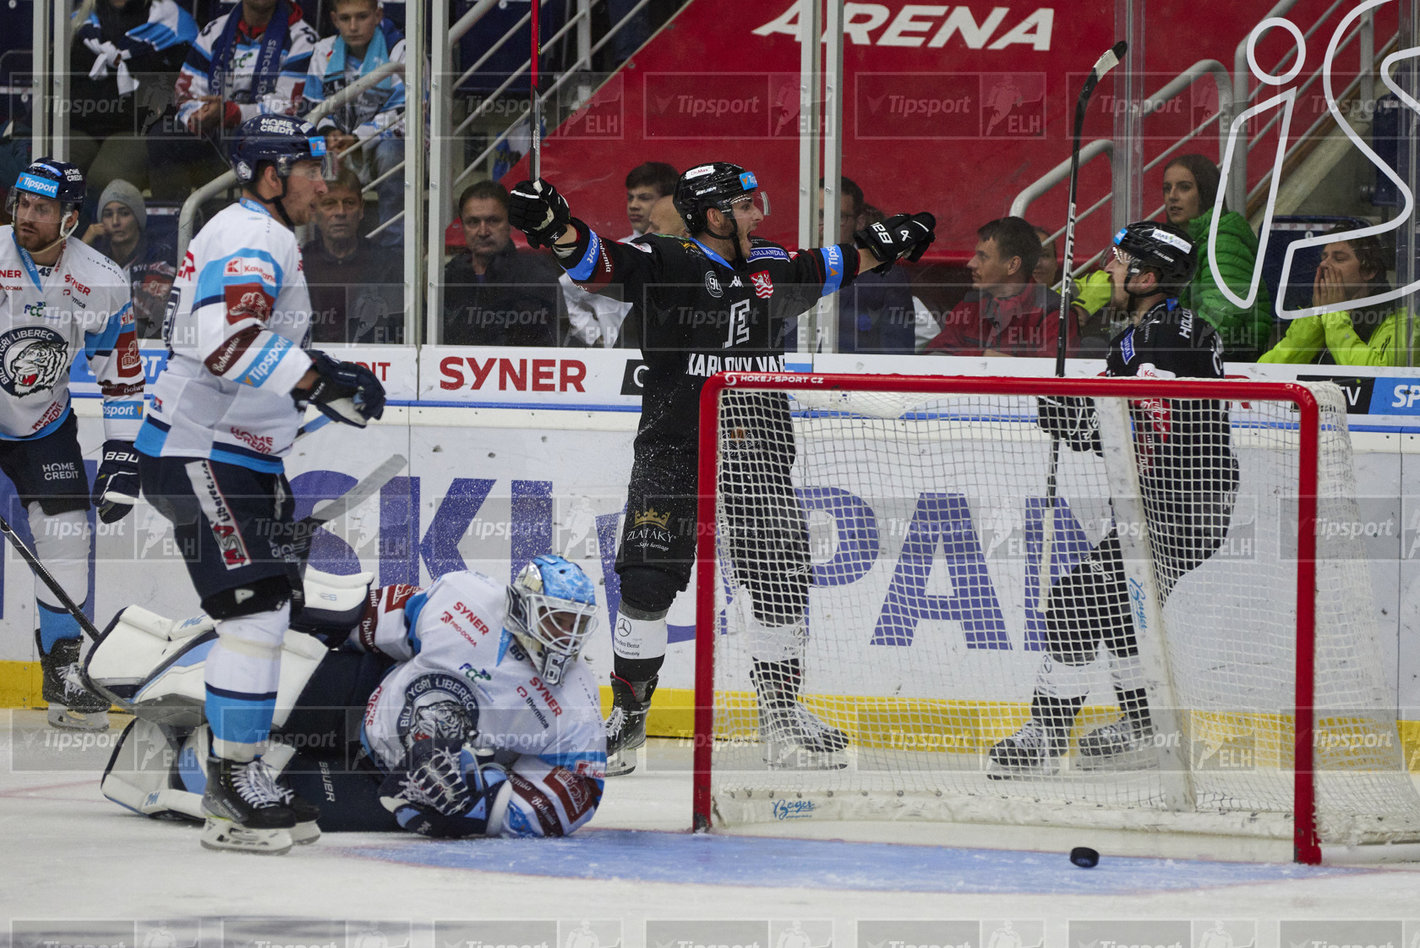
{"x":455,"y":711}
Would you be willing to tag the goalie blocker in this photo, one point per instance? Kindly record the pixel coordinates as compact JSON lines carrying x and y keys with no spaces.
{"x":387,"y":729}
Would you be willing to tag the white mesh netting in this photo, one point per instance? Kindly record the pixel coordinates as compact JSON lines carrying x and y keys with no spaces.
{"x":925,"y":628}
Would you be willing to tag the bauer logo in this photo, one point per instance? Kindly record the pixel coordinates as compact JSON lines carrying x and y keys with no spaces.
{"x":1340,"y":933}
{"x":706,"y":933}
{"x":919,"y":933}
{"x":1130,"y":933}
{"x":495,"y":933}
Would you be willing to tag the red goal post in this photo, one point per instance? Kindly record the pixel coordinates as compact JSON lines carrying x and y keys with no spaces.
{"x":977,"y":432}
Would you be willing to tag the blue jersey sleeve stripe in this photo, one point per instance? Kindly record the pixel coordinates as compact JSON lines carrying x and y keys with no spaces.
{"x":103,"y":341}
{"x":587,"y":265}
{"x":570,"y":761}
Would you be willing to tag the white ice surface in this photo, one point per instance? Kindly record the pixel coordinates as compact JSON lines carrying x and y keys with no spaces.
{"x":68,"y":855}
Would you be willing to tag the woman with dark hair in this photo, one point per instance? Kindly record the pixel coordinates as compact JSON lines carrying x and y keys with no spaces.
{"x":1190,"y":187}
{"x":1349,"y":270}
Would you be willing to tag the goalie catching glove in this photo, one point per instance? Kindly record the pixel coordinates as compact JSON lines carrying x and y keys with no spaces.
{"x":343,"y":391}
{"x":448,"y":790}
{"x":116,"y":486}
{"x":536,"y":209}
{"x":900,"y":236}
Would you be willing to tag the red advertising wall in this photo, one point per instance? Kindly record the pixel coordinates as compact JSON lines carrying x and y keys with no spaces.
{"x":951,"y":108}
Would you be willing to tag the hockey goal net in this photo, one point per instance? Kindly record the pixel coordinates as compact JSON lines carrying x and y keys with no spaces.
{"x":922,"y":503}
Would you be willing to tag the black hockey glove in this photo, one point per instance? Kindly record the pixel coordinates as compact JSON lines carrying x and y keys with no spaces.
{"x":346,"y":392}
{"x":902,"y":235}
{"x":447,"y":790}
{"x":536,"y":209}
{"x":1070,"y":418}
{"x":116,"y":486}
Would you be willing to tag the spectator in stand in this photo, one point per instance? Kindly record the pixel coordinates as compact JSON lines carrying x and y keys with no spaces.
{"x":373,"y":120}
{"x":1190,"y":187}
{"x":150,"y":266}
{"x":125,"y":58}
{"x":250,"y":61}
{"x":1006,"y":313}
{"x":1047,"y":268}
{"x":1095,"y":321}
{"x":875,"y":314}
{"x":357,"y":288}
{"x":1371,"y":335}
{"x":645,"y":185}
{"x":495,"y":295}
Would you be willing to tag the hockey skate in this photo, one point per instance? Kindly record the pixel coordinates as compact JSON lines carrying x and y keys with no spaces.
{"x":1030,"y":752}
{"x":626,"y":725}
{"x":794,"y":738}
{"x":246,"y":811}
{"x":1126,"y":744}
{"x":72,"y":706}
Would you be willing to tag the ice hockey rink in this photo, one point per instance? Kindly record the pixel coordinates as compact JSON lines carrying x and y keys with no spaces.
{"x":80,"y":871}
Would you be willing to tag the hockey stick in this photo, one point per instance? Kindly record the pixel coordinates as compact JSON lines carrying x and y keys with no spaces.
{"x":536,"y":97}
{"x":48,"y":579}
{"x":1102,"y":66}
{"x":368,"y":487}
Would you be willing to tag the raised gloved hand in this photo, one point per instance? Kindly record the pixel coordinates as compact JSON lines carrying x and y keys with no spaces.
{"x":116,"y":486}
{"x":346,"y":392}
{"x":446,"y":790}
{"x":536,"y":209}
{"x":1069,"y":417}
{"x":900,"y":236}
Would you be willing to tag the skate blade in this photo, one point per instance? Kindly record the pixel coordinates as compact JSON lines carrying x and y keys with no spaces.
{"x":1142,"y":758}
{"x":623,"y":761}
{"x":995,"y":770}
{"x":68,"y":720}
{"x":303,"y":834}
{"x":794,"y":757}
{"x":231,"y":837}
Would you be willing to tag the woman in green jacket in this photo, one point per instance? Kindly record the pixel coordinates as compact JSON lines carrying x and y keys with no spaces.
{"x":1190,"y":185}
{"x":1349,"y":270}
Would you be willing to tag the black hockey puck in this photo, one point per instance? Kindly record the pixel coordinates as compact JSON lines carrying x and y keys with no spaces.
{"x":1084,"y":857}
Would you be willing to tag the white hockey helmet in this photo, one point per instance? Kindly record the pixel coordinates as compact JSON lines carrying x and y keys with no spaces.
{"x":551,"y":611}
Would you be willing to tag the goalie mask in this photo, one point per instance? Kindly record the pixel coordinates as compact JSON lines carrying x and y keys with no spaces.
{"x":551,"y":611}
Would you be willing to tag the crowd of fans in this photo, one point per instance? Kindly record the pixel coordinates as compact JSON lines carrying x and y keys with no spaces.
{"x":155,"y":92}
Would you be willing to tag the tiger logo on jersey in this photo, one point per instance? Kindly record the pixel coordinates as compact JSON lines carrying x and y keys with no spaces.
{"x":32,"y":359}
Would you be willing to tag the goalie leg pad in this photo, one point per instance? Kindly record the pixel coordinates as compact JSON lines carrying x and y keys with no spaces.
{"x":142,"y":774}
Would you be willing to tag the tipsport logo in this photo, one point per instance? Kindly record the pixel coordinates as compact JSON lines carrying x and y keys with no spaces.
{"x":949,"y":106}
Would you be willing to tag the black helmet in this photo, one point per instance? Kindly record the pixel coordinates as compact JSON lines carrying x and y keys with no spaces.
{"x":717,"y":185}
{"x":1166,"y":248}
{"x":279,"y":139}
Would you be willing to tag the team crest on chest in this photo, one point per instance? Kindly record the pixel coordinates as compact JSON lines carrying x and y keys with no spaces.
{"x":32,"y":360}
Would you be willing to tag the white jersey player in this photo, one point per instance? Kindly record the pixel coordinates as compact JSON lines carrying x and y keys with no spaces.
{"x":59,"y":297}
{"x":225,"y":412}
{"x":474,"y":716}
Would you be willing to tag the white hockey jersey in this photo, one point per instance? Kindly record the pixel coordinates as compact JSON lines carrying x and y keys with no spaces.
{"x":457,"y":663}
{"x":47,"y":316}
{"x":238,"y":315}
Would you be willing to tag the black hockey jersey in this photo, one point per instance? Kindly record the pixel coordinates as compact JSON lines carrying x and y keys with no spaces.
{"x":698,"y":314}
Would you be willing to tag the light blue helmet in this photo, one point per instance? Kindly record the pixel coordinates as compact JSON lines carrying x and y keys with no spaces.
{"x":551,"y":611}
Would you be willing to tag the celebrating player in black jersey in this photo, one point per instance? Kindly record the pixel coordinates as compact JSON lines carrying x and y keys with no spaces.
{"x":718,"y":300}
{"x":1188,"y":477}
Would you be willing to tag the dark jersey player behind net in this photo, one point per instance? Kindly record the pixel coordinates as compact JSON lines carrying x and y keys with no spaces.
{"x":1188,"y":478}
{"x":720,"y":299}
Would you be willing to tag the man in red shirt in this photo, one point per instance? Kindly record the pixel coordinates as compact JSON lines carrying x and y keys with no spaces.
{"x":1006,"y":313}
